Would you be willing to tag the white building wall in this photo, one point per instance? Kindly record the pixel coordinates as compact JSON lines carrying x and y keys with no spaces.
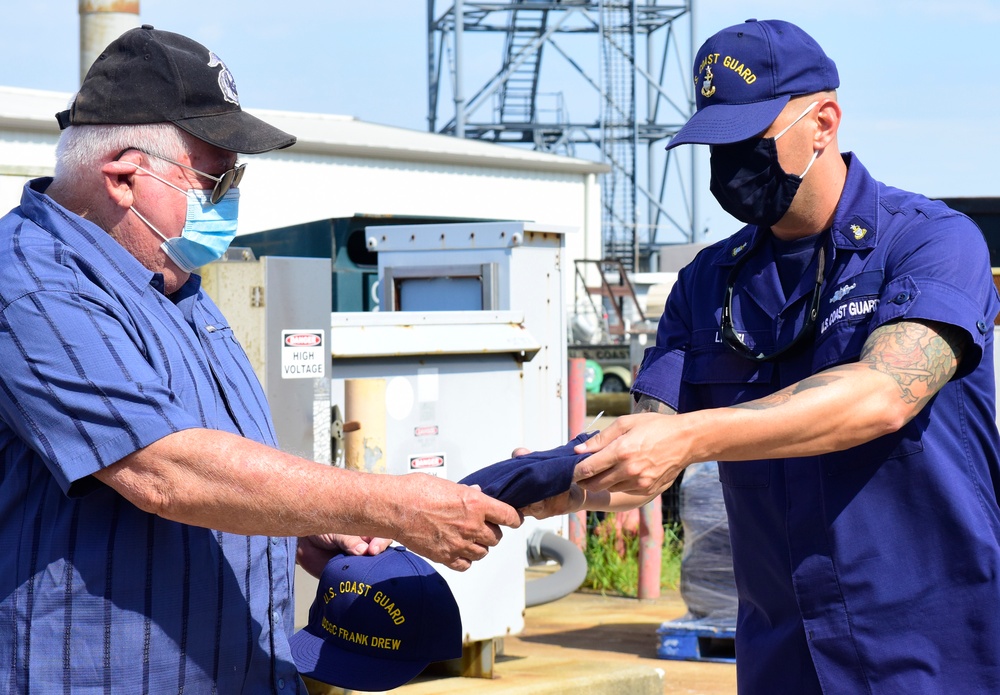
{"x":10,"y":190}
{"x":316,"y":187}
{"x":23,"y":156}
{"x":341,"y":167}
{"x":284,"y":189}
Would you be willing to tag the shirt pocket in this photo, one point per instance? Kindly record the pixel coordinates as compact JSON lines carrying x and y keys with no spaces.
{"x":715,"y":377}
{"x":904,"y":442}
{"x":220,"y":340}
{"x":237,"y":384}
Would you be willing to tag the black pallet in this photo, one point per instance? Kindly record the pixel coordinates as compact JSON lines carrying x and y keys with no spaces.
{"x":684,"y":640}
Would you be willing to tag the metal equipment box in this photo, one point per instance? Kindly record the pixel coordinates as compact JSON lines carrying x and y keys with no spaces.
{"x":275,"y":305}
{"x":471,"y":345}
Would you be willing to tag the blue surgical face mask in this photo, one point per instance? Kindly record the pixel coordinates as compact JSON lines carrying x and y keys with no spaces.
{"x":208,"y":229}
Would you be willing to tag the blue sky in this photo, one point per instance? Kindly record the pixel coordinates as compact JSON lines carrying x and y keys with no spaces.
{"x":919,"y":80}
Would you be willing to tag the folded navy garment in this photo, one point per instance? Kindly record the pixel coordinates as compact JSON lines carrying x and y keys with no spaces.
{"x":531,"y":478}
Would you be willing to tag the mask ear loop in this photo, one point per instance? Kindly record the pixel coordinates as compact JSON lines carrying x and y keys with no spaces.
{"x":139,"y":214}
{"x":159,"y":178}
{"x":786,"y":129}
{"x":815,"y":155}
{"x":148,"y":223}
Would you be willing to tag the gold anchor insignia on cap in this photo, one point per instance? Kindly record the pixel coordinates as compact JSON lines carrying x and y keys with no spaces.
{"x":858,"y":232}
{"x":707,"y":88}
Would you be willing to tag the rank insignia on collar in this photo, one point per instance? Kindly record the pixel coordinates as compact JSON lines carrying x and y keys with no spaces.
{"x":739,"y":249}
{"x":858,"y":232}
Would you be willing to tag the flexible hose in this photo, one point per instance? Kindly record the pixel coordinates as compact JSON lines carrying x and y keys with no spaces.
{"x":567,"y":579}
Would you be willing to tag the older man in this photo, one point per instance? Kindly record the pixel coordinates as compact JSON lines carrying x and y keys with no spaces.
{"x":149,"y":522}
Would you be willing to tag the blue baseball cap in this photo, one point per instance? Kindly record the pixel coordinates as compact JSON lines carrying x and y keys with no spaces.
{"x":745,"y":74}
{"x":524,"y":480}
{"x":377,"y":621}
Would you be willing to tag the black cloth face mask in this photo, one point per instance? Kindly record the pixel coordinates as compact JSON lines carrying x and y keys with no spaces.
{"x":748,"y":180}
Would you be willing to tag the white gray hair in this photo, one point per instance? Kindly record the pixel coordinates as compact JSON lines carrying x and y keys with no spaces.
{"x":83,"y":148}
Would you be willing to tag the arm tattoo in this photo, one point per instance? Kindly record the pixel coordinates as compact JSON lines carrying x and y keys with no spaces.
{"x":920,"y":356}
{"x":648,"y":404}
{"x":784,"y":395}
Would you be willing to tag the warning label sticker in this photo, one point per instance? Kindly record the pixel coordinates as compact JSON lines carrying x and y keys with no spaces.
{"x":303,"y":354}
{"x":428,"y":463}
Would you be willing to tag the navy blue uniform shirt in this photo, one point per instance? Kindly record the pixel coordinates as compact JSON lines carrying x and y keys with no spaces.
{"x":97,"y":596}
{"x":876,"y":569}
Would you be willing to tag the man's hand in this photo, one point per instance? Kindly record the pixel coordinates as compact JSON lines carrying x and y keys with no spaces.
{"x":568,"y":502}
{"x":315,"y":551}
{"x":248,"y":488}
{"x":448,"y":523}
{"x":634,"y":455}
{"x":597,"y":470}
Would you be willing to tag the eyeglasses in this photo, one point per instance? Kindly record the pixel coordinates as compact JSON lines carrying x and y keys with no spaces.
{"x":229,"y":179}
{"x":733,"y":339}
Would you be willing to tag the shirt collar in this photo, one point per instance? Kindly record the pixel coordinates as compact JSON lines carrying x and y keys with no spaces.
{"x":740,"y":243}
{"x":91,"y":242}
{"x":855,"y":222}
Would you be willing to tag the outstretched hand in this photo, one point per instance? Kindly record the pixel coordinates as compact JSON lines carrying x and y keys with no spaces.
{"x":449,"y":523}
{"x":639,"y":454}
{"x":568,"y":502}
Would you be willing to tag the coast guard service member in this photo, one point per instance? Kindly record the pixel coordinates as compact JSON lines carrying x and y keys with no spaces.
{"x":148,"y":522}
{"x":835,"y":356}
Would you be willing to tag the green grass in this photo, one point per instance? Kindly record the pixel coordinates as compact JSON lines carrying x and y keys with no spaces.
{"x":613,"y":559}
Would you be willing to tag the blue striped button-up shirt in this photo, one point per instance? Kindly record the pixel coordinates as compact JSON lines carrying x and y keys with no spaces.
{"x":96,"y":595}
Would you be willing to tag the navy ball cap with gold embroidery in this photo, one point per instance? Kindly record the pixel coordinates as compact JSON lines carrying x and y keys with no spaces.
{"x":377,"y":621}
{"x":745,"y":74}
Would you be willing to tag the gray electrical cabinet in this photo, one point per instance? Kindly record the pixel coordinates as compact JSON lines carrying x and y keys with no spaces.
{"x":279,"y":310}
{"x":470,"y":341}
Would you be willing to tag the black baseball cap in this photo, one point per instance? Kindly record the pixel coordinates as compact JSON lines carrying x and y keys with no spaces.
{"x":152,"y":76}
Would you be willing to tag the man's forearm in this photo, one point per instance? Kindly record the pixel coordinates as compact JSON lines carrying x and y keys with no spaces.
{"x":830,"y":411}
{"x":223,"y":481}
{"x":901,"y":367}
{"x":648,"y":404}
{"x":824,"y":412}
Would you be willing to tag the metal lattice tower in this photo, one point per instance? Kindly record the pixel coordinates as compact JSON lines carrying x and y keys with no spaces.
{"x":624,"y":65}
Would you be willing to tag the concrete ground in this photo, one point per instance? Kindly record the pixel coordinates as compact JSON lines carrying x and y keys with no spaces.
{"x":588,"y":627}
